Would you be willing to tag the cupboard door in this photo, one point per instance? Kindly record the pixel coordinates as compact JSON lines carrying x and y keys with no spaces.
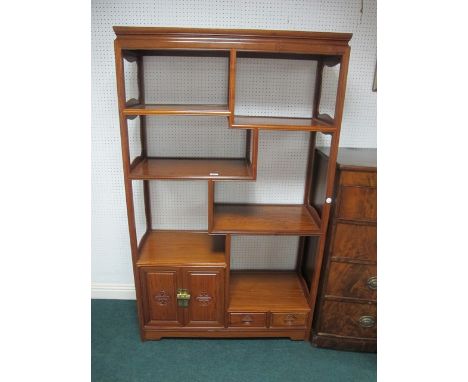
{"x":206,"y":288}
{"x":159,"y":288}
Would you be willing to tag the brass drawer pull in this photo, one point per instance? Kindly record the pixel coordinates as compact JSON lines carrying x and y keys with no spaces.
{"x":367,"y":321}
{"x":372,"y":282}
{"x":247,"y":320}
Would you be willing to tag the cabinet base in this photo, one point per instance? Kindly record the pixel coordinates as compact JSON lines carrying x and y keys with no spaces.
{"x":297,"y":335}
{"x":345,"y":343}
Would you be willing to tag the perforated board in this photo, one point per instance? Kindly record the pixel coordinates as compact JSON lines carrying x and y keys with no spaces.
{"x":111,"y":262}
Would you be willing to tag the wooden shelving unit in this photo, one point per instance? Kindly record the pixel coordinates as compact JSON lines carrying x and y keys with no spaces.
{"x":184,"y":283}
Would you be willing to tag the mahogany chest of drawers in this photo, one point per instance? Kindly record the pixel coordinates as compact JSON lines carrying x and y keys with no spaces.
{"x":346,"y":311}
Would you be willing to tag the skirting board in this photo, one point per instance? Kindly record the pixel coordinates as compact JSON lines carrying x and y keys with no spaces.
{"x":113,"y":291}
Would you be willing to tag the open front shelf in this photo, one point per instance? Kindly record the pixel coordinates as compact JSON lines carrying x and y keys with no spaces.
{"x":172,"y":248}
{"x":283,"y":123}
{"x":159,"y":109}
{"x":266,"y":291}
{"x":270,"y":219}
{"x":191,"y":168}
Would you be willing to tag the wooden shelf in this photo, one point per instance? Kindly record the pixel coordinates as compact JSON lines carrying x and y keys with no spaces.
{"x":283,"y":123}
{"x":172,"y":248}
{"x":153,"y":109}
{"x":266,"y":291}
{"x":192,"y":168}
{"x":267,"y":219}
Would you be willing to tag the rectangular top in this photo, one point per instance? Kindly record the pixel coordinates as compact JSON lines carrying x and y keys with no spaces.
{"x":354,"y":158}
{"x":326,"y":36}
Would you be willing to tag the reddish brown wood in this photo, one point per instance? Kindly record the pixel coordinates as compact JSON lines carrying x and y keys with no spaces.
{"x":354,"y":241}
{"x":210,"y":204}
{"x":192,"y":168}
{"x":248,"y":320}
{"x":182,"y":248}
{"x":264,"y":219}
{"x":346,"y":319}
{"x":254,"y":151}
{"x":206,"y":306}
{"x":358,"y":203}
{"x":317,"y":89}
{"x":346,"y":312}
{"x":358,"y":178}
{"x":325,"y":213}
{"x":266,"y":292}
{"x":231,"y":332}
{"x":153,"y":109}
{"x":288,"y":319}
{"x":147,"y":38}
{"x":232,"y":84}
{"x":345,"y":343}
{"x":227,"y":278}
{"x":351,"y":281}
{"x":159,"y":286}
{"x":200,"y":260}
{"x":127,"y":182}
{"x":281,"y":123}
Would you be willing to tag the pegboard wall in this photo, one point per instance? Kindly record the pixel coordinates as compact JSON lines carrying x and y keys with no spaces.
{"x":282,"y":156}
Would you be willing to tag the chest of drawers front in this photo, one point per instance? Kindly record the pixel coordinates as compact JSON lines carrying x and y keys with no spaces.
{"x":346,"y":314}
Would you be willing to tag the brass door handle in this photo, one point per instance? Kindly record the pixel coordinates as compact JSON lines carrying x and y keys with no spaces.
{"x":183,"y":297}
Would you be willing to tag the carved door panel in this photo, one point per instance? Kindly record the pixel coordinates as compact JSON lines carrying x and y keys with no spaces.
{"x":159,"y":289}
{"x":206,"y":288}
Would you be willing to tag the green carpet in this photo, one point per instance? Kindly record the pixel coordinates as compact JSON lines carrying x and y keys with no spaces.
{"x":119,"y":355}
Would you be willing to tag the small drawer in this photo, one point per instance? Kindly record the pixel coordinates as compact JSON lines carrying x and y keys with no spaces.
{"x":355,"y":178}
{"x":348,"y":319}
{"x":352,"y":280}
{"x":357,"y":203}
{"x":246,"y":320}
{"x":288,"y":319}
{"x":355,"y":241}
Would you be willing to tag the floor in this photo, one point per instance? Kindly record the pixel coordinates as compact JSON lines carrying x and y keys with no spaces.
{"x":119,"y":355}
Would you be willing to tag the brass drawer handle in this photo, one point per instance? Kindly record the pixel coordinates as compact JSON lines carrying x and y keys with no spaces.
{"x":372,"y":282}
{"x":367,"y":321}
{"x":247,"y":320}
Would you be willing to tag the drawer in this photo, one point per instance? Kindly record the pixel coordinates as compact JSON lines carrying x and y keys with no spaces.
{"x":288,"y":319}
{"x":357,"y":203}
{"x":348,"y":319}
{"x":253,"y":320}
{"x":355,"y":241}
{"x":355,"y":178}
{"x":352,"y":280}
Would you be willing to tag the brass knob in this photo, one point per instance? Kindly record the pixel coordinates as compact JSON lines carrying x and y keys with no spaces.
{"x":367,"y":321}
{"x":372,"y":282}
